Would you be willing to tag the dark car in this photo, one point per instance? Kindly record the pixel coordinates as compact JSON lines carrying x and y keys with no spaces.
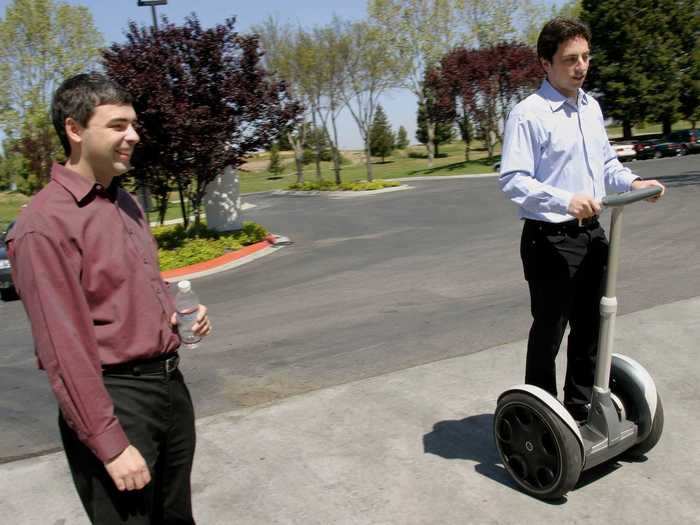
{"x":7,"y":290}
{"x":657,"y":148}
{"x":689,"y":139}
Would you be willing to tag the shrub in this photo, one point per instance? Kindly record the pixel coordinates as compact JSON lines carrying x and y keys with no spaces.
{"x":178,"y":247}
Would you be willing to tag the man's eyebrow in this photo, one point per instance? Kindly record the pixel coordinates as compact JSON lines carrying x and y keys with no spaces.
{"x":122,"y":120}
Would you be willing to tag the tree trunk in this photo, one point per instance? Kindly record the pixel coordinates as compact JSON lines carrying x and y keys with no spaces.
{"x":336,"y":151}
{"x":368,"y":153}
{"x":626,"y":129}
{"x":298,"y":156}
{"x":466,"y":151}
{"x":430,"y":127}
{"x":666,"y":122}
{"x":183,"y":208}
{"x":317,"y":148}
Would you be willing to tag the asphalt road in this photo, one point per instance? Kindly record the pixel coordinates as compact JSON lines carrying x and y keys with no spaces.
{"x":372,"y":284}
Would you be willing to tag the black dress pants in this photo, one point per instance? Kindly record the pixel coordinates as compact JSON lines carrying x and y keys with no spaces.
{"x":156,"y":413}
{"x":565,"y":267}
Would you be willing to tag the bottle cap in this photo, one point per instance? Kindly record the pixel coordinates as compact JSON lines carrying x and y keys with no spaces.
{"x":184,"y":286}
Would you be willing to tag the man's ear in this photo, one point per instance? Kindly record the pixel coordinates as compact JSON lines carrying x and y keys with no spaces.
{"x":74,"y":130}
{"x":545,"y":64}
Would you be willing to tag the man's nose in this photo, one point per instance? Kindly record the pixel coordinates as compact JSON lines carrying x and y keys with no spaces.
{"x":132,"y":136}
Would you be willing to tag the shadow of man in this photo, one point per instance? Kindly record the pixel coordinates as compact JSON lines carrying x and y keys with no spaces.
{"x":470,"y":438}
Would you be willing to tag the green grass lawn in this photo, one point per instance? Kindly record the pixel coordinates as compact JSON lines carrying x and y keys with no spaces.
{"x":10,"y":204}
{"x":398,"y":165}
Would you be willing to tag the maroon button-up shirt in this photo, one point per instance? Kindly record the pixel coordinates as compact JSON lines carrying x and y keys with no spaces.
{"x":86,"y":267}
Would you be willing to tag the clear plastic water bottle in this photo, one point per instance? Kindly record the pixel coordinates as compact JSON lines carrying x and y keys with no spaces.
{"x":187,"y":306}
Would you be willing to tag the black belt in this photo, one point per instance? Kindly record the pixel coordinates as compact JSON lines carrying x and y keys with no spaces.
{"x":164,"y":364}
{"x":553,"y":228}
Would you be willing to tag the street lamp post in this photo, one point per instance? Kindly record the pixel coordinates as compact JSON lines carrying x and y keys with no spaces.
{"x":152,"y":4}
{"x":145,"y":198}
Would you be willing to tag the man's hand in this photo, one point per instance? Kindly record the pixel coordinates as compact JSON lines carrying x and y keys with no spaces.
{"x":129,"y":470}
{"x":203,"y":326}
{"x":583,"y":206}
{"x":641,"y":184}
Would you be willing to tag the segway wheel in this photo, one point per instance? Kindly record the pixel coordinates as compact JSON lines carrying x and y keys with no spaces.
{"x":657,"y":428}
{"x":538,"y":449}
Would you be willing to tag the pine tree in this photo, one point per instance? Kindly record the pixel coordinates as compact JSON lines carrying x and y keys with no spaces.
{"x":381,"y":138}
{"x":444,"y":131}
{"x":402,"y":138}
{"x":275,"y":166}
{"x":638,"y":62}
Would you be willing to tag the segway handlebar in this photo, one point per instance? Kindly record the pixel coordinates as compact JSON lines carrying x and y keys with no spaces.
{"x":622,"y":199}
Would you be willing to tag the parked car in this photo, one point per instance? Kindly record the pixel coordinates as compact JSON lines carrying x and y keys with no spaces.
{"x":689,"y":139}
{"x":625,"y":150}
{"x":7,"y":290}
{"x":657,"y":148}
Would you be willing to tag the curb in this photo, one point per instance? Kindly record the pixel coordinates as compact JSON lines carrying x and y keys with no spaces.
{"x":224,"y":262}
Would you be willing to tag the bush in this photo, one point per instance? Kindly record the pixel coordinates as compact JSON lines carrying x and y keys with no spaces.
{"x":360,"y":185}
{"x":178,"y":247}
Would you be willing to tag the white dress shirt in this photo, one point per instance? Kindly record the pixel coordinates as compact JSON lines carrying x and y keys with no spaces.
{"x":553,"y":149}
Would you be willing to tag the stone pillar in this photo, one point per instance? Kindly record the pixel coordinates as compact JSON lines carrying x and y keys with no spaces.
{"x":222,"y":202}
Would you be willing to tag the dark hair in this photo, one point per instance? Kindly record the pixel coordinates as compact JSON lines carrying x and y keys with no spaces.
{"x":78,"y":97}
{"x":557,"y":31}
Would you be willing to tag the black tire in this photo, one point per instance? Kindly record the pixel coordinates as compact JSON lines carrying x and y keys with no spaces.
{"x":657,"y":428}
{"x":657,"y":154}
{"x":539,"y":451}
{"x":8,"y":294}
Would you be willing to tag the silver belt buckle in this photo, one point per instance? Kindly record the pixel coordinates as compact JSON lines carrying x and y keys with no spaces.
{"x":171,"y":364}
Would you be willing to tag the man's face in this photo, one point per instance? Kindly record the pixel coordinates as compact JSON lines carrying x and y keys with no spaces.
{"x":109,"y":138}
{"x":567,"y":70}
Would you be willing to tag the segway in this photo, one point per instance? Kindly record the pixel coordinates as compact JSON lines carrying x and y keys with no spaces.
{"x":541,"y":445}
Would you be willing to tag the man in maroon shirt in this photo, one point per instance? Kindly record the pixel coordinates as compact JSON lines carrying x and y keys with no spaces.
{"x":86,"y":267}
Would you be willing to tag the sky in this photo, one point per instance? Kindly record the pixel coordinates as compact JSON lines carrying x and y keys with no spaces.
{"x":112,"y":16}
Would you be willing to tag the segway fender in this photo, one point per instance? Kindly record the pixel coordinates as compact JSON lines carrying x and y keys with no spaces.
{"x":636,"y":385}
{"x":554,"y":404}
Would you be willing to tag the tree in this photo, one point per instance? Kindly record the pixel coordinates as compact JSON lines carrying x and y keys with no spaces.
{"x":381,"y":137}
{"x":437,"y":107}
{"x":443,"y":134}
{"x":275,"y":167}
{"x":419,"y":32}
{"x":203,"y":98}
{"x":402,"y":138}
{"x":41,"y":44}
{"x":311,"y":62}
{"x":485,"y":83}
{"x":371,"y":69}
{"x":638,"y":64}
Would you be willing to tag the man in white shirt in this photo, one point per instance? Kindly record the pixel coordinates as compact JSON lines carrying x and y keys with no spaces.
{"x":556,"y":166}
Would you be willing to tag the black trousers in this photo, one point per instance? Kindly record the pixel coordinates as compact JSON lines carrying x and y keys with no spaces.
{"x":156,"y":413}
{"x":565,"y":266}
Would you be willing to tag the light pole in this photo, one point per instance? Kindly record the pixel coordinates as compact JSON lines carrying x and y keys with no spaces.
{"x":152,"y":4}
{"x":145,"y":198}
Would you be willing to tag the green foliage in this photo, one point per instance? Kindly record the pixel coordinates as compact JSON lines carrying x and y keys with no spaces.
{"x":179,"y":246}
{"x":402,"y":138}
{"x":42,"y":42}
{"x":444,"y":131}
{"x":381,"y":138}
{"x":639,"y":60}
{"x":275,"y":166}
{"x":361,"y":185}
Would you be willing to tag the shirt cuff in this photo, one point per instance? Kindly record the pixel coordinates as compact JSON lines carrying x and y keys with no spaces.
{"x":109,"y":444}
{"x":561,"y":200}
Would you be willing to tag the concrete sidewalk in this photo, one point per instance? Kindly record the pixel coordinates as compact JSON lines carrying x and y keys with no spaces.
{"x":415,"y":447}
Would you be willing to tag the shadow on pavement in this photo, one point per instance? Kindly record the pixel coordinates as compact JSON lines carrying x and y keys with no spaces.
{"x":471,"y":438}
{"x":689,"y":178}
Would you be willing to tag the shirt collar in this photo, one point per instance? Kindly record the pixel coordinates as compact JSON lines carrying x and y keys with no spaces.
{"x":79,"y":187}
{"x":555,"y":99}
